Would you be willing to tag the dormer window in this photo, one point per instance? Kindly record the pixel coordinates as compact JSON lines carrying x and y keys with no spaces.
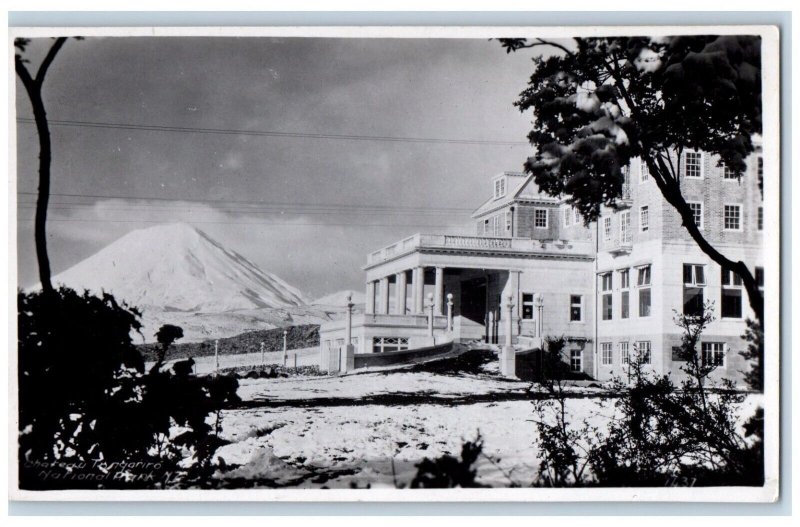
{"x":499,"y":187}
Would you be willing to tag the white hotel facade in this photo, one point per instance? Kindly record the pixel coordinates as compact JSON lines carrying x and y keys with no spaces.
{"x":610,"y":287}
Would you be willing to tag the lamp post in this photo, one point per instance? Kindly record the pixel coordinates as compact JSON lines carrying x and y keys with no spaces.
{"x":285,"y":355}
{"x":430,"y":314}
{"x":450,"y":312}
{"x":508,"y":358}
{"x":262,"y":354}
{"x":347,"y":361}
{"x":539,"y":302}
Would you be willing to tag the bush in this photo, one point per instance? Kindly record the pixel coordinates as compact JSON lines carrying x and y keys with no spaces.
{"x":89,"y":416}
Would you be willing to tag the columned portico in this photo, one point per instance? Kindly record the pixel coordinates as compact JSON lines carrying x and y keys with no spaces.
{"x":383,"y":297}
{"x":369,"y":308}
{"x":400,"y":293}
{"x":438,"y":291}
{"x":419,"y":289}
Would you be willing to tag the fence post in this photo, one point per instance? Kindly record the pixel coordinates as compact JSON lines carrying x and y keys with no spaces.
{"x":216,"y":357}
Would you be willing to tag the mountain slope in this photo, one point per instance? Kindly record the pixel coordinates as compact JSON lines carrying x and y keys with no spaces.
{"x":179,"y":268}
{"x":339,"y":298}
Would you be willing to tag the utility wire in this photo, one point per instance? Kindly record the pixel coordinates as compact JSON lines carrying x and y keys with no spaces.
{"x":270,"y":133}
{"x":257,"y":204}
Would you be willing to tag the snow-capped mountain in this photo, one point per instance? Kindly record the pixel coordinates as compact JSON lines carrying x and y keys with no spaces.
{"x":176,"y":267}
{"x":339,"y":298}
{"x":177,"y":274}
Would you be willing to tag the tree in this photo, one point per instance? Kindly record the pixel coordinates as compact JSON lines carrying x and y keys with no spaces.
{"x":166,"y":335}
{"x":33,"y":87}
{"x":601,"y":101}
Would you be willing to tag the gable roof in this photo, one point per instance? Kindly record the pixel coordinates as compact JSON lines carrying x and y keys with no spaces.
{"x":521,"y":187}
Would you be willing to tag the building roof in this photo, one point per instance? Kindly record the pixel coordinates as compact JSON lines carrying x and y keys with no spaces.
{"x":520,"y":187}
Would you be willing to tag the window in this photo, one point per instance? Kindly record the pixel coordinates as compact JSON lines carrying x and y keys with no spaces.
{"x":728,"y":173}
{"x":643,"y":283}
{"x":644,"y":171}
{"x":540,"y":218}
{"x":606,"y":353}
{"x":624,"y":354}
{"x":387,"y":344}
{"x":576,"y":216}
{"x":714,"y":353}
{"x":527,"y":306}
{"x":625,"y":227}
{"x":575,"y":308}
{"x":607,"y":308}
{"x":567,"y":217}
{"x":624,"y":284}
{"x":575,"y":360}
{"x":760,"y":169}
{"x":731,"y":295}
{"x":644,"y":352}
{"x":732,"y":216}
{"x":697,"y":212}
{"x":693,"y":166}
{"x":607,"y":228}
{"x":761,"y":218}
{"x":499,"y":187}
{"x":693,"y":282}
{"x":644,"y":218}
{"x":509,"y":221}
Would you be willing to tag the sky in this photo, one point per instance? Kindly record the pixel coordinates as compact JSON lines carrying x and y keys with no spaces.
{"x":305,"y":207}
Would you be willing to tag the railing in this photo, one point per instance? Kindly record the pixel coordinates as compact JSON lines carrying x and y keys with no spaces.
{"x":447,"y":241}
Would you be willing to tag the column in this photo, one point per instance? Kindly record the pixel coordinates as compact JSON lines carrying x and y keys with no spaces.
{"x":438,"y":291}
{"x":400,"y":293}
{"x":383,"y":300}
{"x":370,"y":307}
{"x":419,"y":290}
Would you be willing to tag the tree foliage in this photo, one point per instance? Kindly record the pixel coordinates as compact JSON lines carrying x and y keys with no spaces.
{"x":84,"y":397}
{"x":599,"y":102}
{"x":658,"y":433}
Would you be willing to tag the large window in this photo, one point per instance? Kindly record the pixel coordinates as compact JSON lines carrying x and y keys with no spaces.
{"x":644,"y":218}
{"x":697,"y":212}
{"x":540,"y":218}
{"x":714,"y":353}
{"x":644,"y":351}
{"x":760,"y":169}
{"x":731,"y":295}
{"x":694,"y":280}
{"x":527,"y":306}
{"x":693,"y":165}
{"x":728,"y":173}
{"x":643,"y":284}
{"x":606,"y":282}
{"x":607,"y":228}
{"x":387,"y":344}
{"x":624,"y":353}
{"x":567,"y":212}
{"x":625,"y":297}
{"x":760,"y":218}
{"x":625,"y":227}
{"x":644,"y":171}
{"x":575,"y":360}
{"x":732,"y":217}
{"x":575,"y":308}
{"x":606,"y":353}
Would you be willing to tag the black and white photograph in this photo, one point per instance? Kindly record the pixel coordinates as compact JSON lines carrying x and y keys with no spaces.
{"x":395,"y":263}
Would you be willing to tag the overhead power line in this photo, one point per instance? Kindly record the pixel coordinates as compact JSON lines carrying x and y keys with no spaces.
{"x":272,"y":133}
{"x":249,"y":205}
